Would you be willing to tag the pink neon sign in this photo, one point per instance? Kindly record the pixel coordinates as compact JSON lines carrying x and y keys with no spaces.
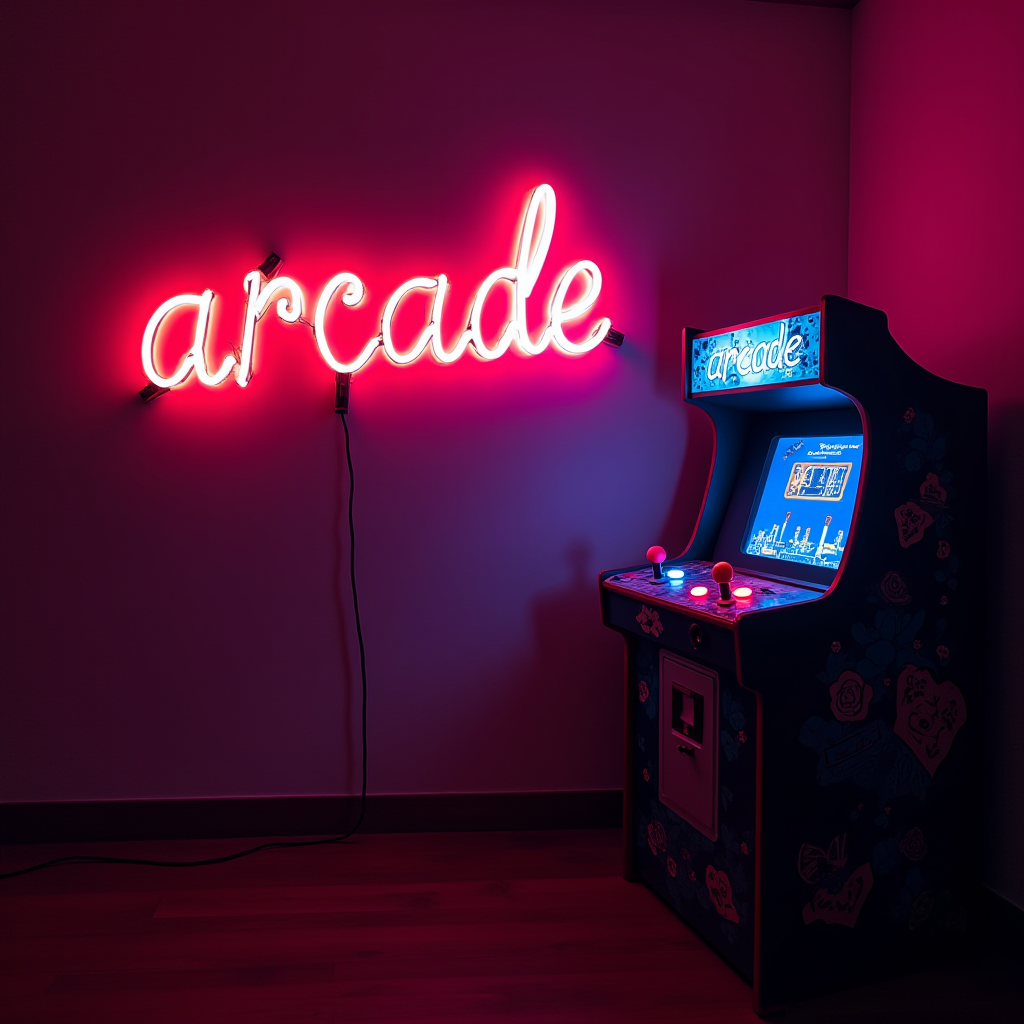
{"x":536,"y":230}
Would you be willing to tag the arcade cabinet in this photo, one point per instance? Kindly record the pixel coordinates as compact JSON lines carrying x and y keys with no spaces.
{"x":804,"y":682}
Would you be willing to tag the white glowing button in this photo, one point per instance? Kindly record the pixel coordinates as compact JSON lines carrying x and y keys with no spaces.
{"x":699,"y":592}
{"x":743,"y":591}
{"x":675,"y":574}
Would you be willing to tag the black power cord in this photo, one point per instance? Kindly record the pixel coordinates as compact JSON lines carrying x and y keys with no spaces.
{"x":89,"y":859}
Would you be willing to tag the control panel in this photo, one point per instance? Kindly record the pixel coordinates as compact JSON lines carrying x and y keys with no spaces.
{"x":709,"y":589}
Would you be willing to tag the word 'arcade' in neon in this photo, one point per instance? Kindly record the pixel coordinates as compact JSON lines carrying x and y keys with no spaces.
{"x":535,"y":234}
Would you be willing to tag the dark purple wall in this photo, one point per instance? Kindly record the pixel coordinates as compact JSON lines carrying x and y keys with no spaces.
{"x":176,"y":615}
{"x":936,"y":230}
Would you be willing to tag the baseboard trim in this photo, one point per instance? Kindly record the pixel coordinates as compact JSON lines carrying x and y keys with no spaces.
{"x":235,"y":817}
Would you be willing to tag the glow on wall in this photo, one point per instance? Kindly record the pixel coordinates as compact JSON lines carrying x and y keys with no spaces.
{"x":535,"y":233}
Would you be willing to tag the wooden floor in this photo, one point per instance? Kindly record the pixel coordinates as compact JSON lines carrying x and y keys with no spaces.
{"x":479,"y":927}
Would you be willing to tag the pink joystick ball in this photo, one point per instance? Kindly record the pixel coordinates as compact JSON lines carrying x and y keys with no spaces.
{"x":721,"y":572}
{"x":656,"y":554}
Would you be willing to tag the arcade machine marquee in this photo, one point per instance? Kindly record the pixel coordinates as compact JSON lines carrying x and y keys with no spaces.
{"x":804,"y":682}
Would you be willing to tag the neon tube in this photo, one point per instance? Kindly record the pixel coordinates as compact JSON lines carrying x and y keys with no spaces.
{"x":530,"y":259}
{"x":351,"y":296}
{"x":561,"y":314}
{"x":431,"y":334}
{"x":536,"y":230}
{"x":258,"y":299}
{"x":195,"y":358}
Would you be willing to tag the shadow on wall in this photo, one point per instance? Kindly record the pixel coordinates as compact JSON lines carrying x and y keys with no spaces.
{"x":572,"y":676}
{"x":679,"y":293}
{"x":688,"y":499}
{"x":563,"y":618}
{"x":351,"y":779}
{"x":1004,"y":702}
{"x":573,"y":644}
{"x":565,"y":684}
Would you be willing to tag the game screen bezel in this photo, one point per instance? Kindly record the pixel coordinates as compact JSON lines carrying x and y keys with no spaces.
{"x":784,"y":454}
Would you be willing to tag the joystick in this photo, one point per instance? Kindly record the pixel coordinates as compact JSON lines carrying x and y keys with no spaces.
{"x":656,"y":555}
{"x":721,"y":573}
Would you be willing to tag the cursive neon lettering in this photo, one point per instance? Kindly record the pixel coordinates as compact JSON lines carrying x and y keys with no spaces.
{"x":352,"y":292}
{"x":439,"y":285}
{"x":563,"y":314}
{"x":196,"y":356}
{"x":473,"y":335}
{"x":533,"y":248}
{"x":258,"y":299}
{"x":535,"y":234}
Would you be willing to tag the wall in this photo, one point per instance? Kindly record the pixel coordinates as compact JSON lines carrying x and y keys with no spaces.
{"x":936,"y":222}
{"x":176,"y":614}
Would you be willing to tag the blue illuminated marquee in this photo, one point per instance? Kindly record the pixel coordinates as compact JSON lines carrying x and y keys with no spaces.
{"x":782,"y":351}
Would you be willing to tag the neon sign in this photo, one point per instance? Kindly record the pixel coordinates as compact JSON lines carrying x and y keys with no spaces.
{"x":782,"y":351}
{"x":536,"y":230}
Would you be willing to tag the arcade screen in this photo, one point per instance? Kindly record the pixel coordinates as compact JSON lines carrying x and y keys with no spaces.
{"x":804,"y":504}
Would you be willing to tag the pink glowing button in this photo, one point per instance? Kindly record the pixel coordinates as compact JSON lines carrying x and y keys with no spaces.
{"x":742,"y":591}
{"x":698,"y":592}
